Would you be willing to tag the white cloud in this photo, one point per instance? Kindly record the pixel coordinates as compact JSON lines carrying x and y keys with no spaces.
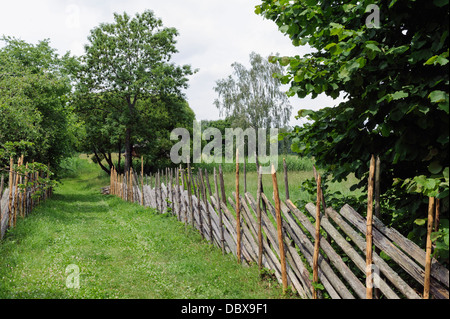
{"x":213,"y":35}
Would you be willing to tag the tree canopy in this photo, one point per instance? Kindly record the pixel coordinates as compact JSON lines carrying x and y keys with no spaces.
{"x":127,"y":61}
{"x":34,"y":116}
{"x":253,"y":97}
{"x":395,"y":77}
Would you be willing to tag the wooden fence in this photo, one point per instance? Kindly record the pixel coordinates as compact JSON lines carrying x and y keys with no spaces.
{"x":18,"y":201}
{"x":338,"y":261}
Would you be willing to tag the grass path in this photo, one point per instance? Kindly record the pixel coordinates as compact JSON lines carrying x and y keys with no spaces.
{"x":122,"y":251}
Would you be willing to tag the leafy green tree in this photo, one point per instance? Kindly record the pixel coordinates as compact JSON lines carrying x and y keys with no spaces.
{"x":253,"y":97}
{"x":127,"y":61}
{"x":34,"y":89}
{"x":395,"y":77}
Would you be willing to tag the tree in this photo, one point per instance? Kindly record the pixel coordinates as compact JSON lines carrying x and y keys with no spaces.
{"x":127,"y":61}
{"x":396,"y":79}
{"x":252,"y":97}
{"x":34,"y":89}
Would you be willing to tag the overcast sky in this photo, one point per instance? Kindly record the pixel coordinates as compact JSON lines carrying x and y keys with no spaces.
{"x":213,"y":35}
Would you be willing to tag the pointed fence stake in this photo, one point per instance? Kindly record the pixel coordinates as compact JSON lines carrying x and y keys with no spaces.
{"x":219,"y":209}
{"x":279,"y":230}
{"x":258,"y":214}
{"x":189,"y":181}
{"x":369,"y":239}
{"x":142,"y":180}
{"x":238,"y":213}
{"x":426,"y":285}
{"x":317,"y":237}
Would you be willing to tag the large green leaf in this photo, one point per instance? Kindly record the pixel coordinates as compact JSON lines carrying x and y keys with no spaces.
{"x":438,"y":96}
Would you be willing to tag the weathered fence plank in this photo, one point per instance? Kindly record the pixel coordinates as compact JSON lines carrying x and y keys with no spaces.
{"x":395,"y":253}
{"x":385,"y":269}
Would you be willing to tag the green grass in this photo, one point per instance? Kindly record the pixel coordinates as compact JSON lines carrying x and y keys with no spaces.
{"x":122,"y":250}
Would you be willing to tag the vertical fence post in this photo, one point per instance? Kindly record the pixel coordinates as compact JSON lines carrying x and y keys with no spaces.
{"x":47,"y":191}
{"x":264,"y":207}
{"x":238,"y":213}
{"x":178,"y":213}
{"x":199,"y":206}
{"x":111,"y":174}
{"x":111,"y":181}
{"x":426,"y":285}
{"x":160,"y":191}
{"x":122,"y":186}
{"x":377,"y":206}
{"x":16,"y":193}
{"x":369,"y":278}
{"x":115,"y":182}
{"x":2,"y":181}
{"x":19,"y":194}
{"x":219,"y":209}
{"x":258,"y":215}
{"x":131,"y":185}
{"x":317,"y":237}
{"x":156,"y":191}
{"x":188,"y":182}
{"x":182,"y":194}
{"x":125,"y":185}
{"x":142,"y":180}
{"x":11,"y":190}
{"x":205,"y":200}
{"x":279,"y":229}
{"x":24,"y":196}
{"x":172,"y":191}
{"x":128,"y":184}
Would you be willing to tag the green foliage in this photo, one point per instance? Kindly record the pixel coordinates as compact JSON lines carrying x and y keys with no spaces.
{"x":34,"y":89}
{"x":441,"y":238}
{"x":396,"y":81}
